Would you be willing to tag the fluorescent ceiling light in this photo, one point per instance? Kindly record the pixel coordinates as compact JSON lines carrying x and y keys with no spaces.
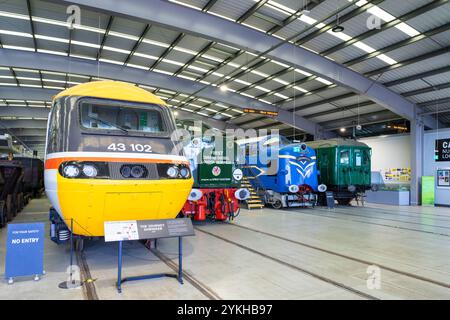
{"x":221,"y":16}
{"x":30,"y":85}
{"x":52,"y":52}
{"x":147,"y":56}
{"x":185,"y":77}
{"x":123,"y":35}
{"x":340,"y":35}
{"x":185,"y":4}
{"x":300,"y":89}
{"x":18,"y":48}
{"x":380,"y":13}
{"x":82,"y":57}
{"x":137,"y":66}
{"x":410,"y":31}
{"x":15,"y":33}
{"x":364,"y":47}
{"x":262,"y":89}
{"x":281,"y":7}
{"x":281,"y":95}
{"x":386,"y":59}
{"x":324,"y":81}
{"x":111,"y":61}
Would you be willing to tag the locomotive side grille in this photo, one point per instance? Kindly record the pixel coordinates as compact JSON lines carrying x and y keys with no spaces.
{"x":114,"y":170}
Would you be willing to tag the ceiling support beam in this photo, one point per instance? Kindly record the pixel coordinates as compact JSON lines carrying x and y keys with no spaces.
{"x":24,"y":112}
{"x":26,"y":124}
{"x":212,"y":27}
{"x":43,"y":61}
{"x":47,"y":94}
{"x":22,"y":132}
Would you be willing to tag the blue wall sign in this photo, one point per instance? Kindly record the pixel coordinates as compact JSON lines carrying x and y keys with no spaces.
{"x":24,"y":250}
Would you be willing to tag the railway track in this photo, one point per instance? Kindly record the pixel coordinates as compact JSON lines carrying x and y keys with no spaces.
{"x":404,"y":273}
{"x":89,"y":290}
{"x":411,"y":214}
{"x":292,"y":266}
{"x":366,"y":222}
{"x":393,"y":212}
{"x":204,"y":289}
{"x":387,"y":219}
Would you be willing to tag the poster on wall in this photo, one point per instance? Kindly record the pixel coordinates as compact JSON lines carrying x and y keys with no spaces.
{"x":443,"y":177}
{"x":396,"y":175}
{"x":442,"y":150}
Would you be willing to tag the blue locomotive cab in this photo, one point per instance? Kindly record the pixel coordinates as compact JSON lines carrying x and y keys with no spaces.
{"x":289,"y":179}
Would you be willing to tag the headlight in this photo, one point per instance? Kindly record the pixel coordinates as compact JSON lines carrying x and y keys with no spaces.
{"x":172,"y":172}
{"x":185,"y":172}
{"x":322,"y":188}
{"x":195,"y":195}
{"x":137,"y":172}
{"x":84,"y":170}
{"x":125,"y":171}
{"x":90,"y":171}
{"x":242,"y":194}
{"x":293,"y":188}
{"x":71,"y":171}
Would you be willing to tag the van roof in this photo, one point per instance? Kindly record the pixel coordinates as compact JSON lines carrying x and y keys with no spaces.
{"x":115,"y":90}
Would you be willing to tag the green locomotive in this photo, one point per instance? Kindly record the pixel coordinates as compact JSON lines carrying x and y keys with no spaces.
{"x":217,"y":179}
{"x":344,"y":167}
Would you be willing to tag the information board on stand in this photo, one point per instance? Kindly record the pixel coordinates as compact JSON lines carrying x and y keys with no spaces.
{"x":147,"y":229}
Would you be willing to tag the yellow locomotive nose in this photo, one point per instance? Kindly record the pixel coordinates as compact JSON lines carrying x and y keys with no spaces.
{"x":91,"y":202}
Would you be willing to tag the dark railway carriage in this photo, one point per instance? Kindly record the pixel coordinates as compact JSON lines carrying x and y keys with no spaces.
{"x":344,"y":166}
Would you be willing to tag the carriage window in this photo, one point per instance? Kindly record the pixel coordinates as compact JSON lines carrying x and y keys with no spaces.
{"x":345,"y":157}
{"x":110,"y":117}
{"x":366,"y":157}
{"x":358,"y":158}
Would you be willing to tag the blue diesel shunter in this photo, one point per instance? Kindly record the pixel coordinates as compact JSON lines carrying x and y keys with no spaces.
{"x":289,"y":179}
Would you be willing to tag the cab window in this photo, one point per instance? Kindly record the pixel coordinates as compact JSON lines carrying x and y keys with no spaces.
{"x":117,"y":117}
{"x":345,"y":157}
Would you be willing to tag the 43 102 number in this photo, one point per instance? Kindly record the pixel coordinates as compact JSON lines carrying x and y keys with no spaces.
{"x":135,"y":147}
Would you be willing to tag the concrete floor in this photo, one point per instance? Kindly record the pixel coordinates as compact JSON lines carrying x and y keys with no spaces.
{"x":268,"y":254}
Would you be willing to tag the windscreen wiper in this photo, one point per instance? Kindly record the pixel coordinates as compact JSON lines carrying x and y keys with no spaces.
{"x":109,"y":123}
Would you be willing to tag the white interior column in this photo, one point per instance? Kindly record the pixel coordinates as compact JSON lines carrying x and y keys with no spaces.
{"x":417,"y":149}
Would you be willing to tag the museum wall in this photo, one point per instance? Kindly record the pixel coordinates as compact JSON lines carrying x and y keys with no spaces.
{"x":430,"y":167}
{"x":391,"y":157}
